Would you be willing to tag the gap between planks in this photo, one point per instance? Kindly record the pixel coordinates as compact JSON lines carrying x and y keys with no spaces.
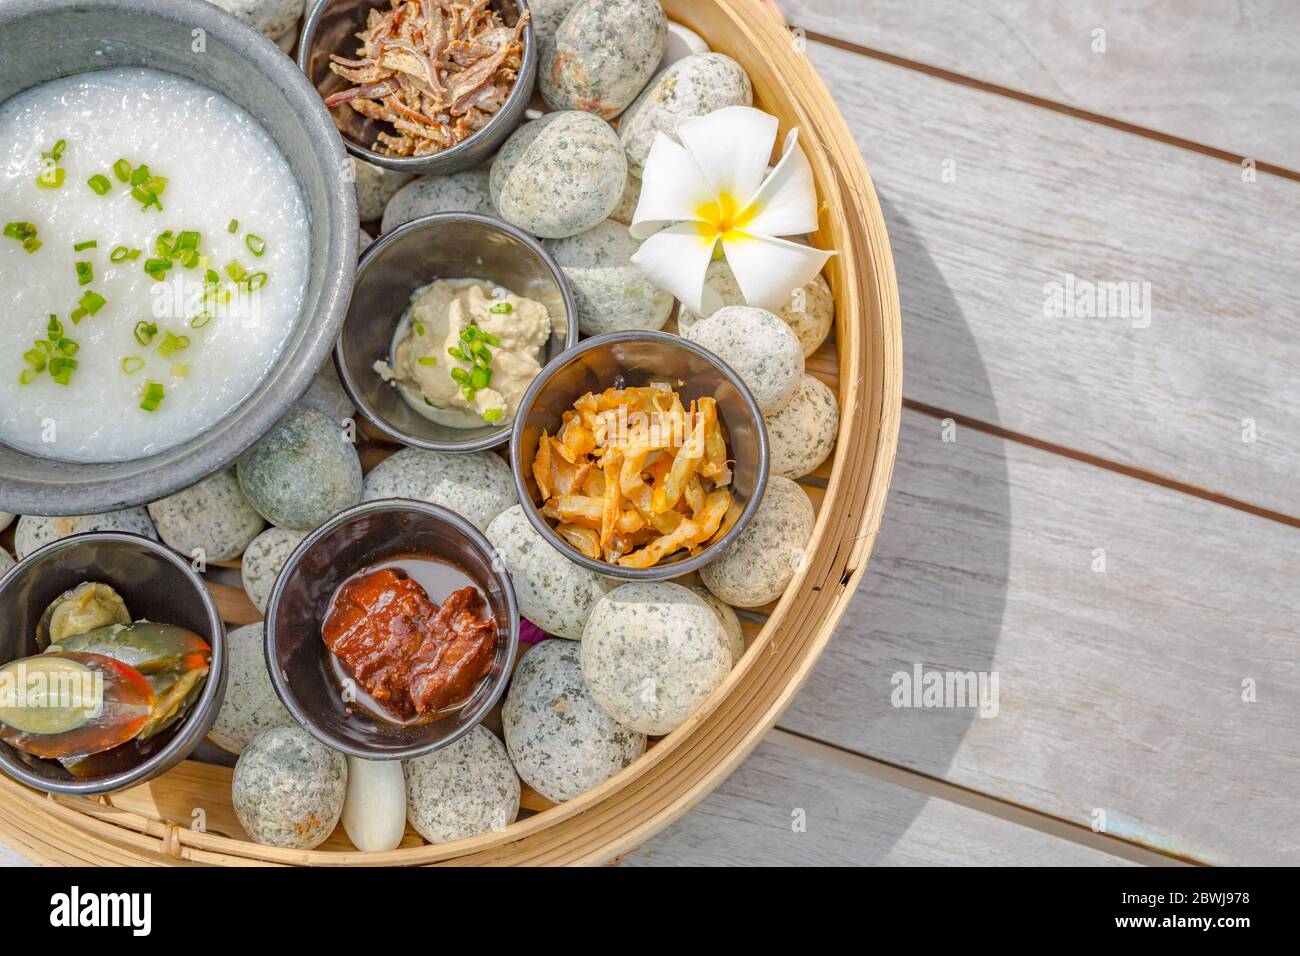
{"x":971,"y":799}
{"x":1030,"y":99}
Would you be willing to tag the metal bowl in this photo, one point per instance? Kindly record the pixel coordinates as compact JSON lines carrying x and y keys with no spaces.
{"x":43,"y":40}
{"x":452,"y":245}
{"x":158,"y":585}
{"x":630,"y":359}
{"x":331,"y":27}
{"x":296,"y":654}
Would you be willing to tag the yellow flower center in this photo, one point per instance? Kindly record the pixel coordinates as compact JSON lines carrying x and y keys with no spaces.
{"x":723,"y":218}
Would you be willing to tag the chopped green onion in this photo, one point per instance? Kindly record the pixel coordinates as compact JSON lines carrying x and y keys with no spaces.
{"x":201,"y":320}
{"x":26,"y":377}
{"x":20,"y":230}
{"x":459,"y":376}
{"x":31,"y":245}
{"x":50,"y":178}
{"x":419,"y":329}
{"x":122,"y":253}
{"x":145,"y":198}
{"x":122,"y":170}
{"x":188,"y":239}
{"x":189,"y":258}
{"x":165,"y":244}
{"x":479,"y":378}
{"x":99,"y":183}
{"x":35,"y":358}
{"x":181,"y":370}
{"x":172,"y":343}
{"x":61,"y":369}
{"x":457,"y":354}
{"x":236,"y":271}
{"x":82,"y":246}
{"x":256,"y":281}
{"x":467,"y":392}
{"x":139,"y":175}
{"x":427,"y":360}
{"x":491,"y":339}
{"x":157,"y":267}
{"x":469,"y":333}
{"x":256,"y":244}
{"x":132,"y":364}
{"x":145,"y":331}
{"x":54,"y":328}
{"x":91,"y":302}
{"x":502,"y":308}
{"x":56,"y":153}
{"x":153,"y":395}
{"x":85,"y":273}
{"x":492,"y":415}
{"x":68,"y":347}
{"x":233,"y":227}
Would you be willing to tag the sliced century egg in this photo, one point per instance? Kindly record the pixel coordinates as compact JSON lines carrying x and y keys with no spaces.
{"x":149,"y":648}
{"x":88,"y":606}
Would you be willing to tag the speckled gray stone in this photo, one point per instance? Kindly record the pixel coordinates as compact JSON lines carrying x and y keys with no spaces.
{"x":460,"y":192}
{"x":651,"y":653}
{"x":477,"y":485}
{"x":553,"y":592}
{"x":213,"y":518}
{"x":759,"y":564}
{"x":603,"y":54}
{"x":802,"y":434}
{"x":34,"y":531}
{"x":263,"y":560}
{"x":682,"y":42}
{"x":810,"y":311}
{"x":612,"y":294}
{"x":375,"y":187}
{"x":559,"y":175}
{"x":326,"y":395}
{"x":462,"y":790}
{"x":627,"y":203}
{"x":561,"y":743}
{"x":6,"y":561}
{"x":250,"y":705}
{"x":271,"y":18}
{"x":288,"y":789}
{"x":691,"y":87}
{"x":727,"y":618}
{"x":547,"y":17}
{"x":302,"y":472}
{"x":759,"y":347}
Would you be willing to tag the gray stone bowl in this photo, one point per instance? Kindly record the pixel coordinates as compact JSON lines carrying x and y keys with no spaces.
{"x":451,"y":245}
{"x":300,"y":663}
{"x":43,"y":40}
{"x":630,"y":359}
{"x":331,"y":27}
{"x":157,"y":584}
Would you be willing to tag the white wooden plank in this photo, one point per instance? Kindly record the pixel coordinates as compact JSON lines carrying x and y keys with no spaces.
{"x":1120,"y":690}
{"x":848,"y":820}
{"x":1217,"y":72}
{"x":1038,"y":197}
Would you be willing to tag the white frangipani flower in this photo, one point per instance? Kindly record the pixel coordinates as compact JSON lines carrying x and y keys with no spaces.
{"x":713,"y":190}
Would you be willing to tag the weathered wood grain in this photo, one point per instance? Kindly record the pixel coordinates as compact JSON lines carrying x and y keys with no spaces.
{"x":1120,"y":690}
{"x":1039,"y":196}
{"x":1218,"y":72}
{"x":849,"y":820}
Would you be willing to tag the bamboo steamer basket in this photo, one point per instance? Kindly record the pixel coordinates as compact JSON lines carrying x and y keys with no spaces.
{"x":154,"y":824}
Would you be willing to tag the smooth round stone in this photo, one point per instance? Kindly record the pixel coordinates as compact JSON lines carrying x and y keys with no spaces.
{"x":213,"y":518}
{"x":463,"y":789}
{"x":611,"y":293}
{"x":477,"y":485}
{"x":810,"y":311}
{"x":374,"y":810}
{"x":691,"y":87}
{"x":553,"y":592}
{"x":651,"y":653}
{"x":251,"y":705}
{"x":559,"y":175}
{"x":34,"y":531}
{"x":271,"y":18}
{"x":763,"y":559}
{"x":802,"y":434}
{"x":759,"y":347}
{"x":561,"y":743}
{"x":6,"y":519}
{"x":263,"y":560}
{"x":627,"y":203}
{"x":727,"y":618}
{"x":682,"y":42}
{"x":288,"y":789}
{"x":547,"y":17}
{"x":364,"y":241}
{"x":460,"y":192}
{"x":302,"y":472}
{"x":375,"y":187}
{"x":326,"y":395}
{"x":603,"y":54}
{"x":6,"y":561}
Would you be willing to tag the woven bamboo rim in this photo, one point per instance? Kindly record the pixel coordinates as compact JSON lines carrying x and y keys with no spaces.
{"x":685,"y":766}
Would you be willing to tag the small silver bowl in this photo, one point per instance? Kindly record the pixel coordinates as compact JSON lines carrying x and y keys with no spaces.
{"x":443,"y":246}
{"x":630,"y":359}
{"x":331,"y":27}
{"x":157,"y":584}
{"x":296,"y":654}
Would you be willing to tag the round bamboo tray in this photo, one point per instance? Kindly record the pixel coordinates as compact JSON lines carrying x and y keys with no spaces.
{"x":155,"y":824}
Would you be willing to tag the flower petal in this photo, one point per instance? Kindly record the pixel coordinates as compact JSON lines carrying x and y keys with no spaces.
{"x":786,"y":203}
{"x":672,"y":188}
{"x":676,"y":260}
{"x":732,"y":146}
{"x":769,"y":270}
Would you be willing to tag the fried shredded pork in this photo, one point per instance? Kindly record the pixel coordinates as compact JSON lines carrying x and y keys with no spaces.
{"x":436,"y":70}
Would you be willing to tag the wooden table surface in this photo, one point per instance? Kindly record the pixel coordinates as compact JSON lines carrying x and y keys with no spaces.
{"x":1103,"y":512}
